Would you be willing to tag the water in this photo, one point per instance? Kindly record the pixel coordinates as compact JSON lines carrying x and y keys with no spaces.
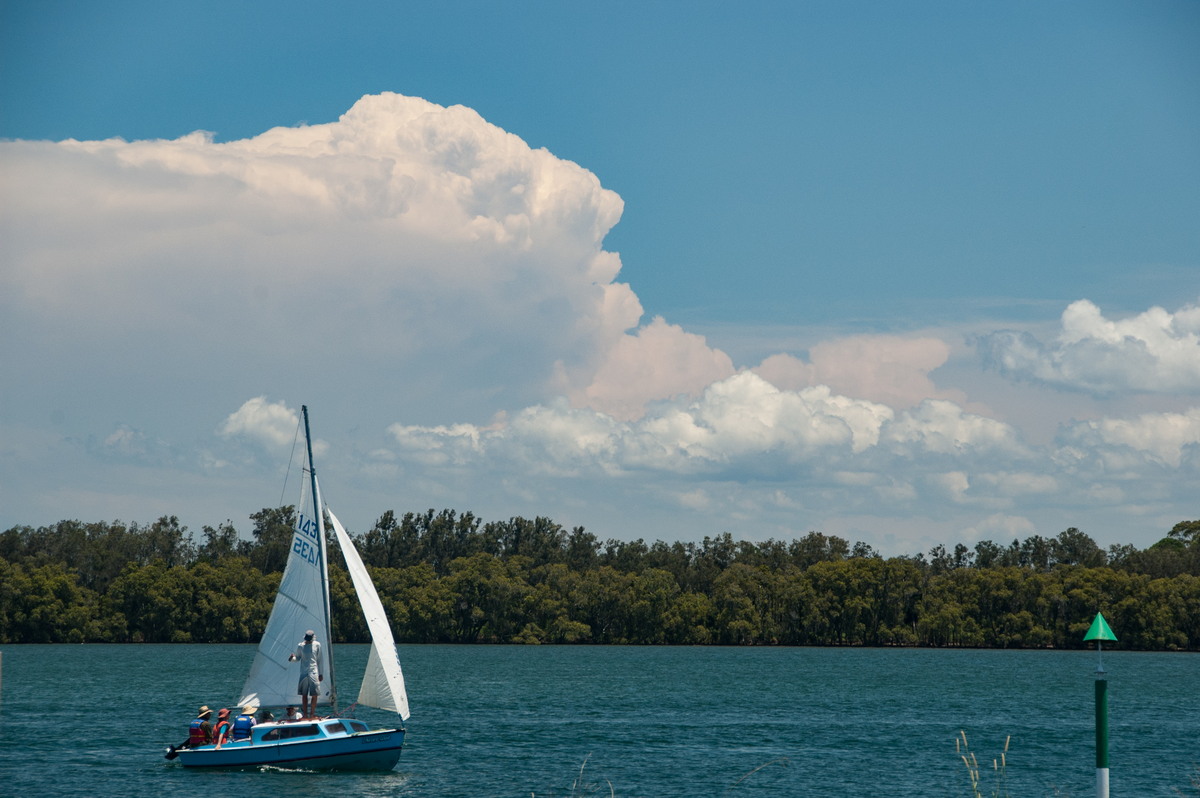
{"x":520,"y":721}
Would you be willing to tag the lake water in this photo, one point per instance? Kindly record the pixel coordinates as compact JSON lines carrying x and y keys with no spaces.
{"x":629,"y":721}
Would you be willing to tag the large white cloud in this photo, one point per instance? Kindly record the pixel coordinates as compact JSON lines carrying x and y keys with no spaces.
{"x":1155,"y":351}
{"x":416,"y":236}
{"x":422,"y":238}
{"x":414,"y":269}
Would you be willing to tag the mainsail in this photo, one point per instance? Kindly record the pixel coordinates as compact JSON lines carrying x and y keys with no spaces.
{"x":383,"y":681}
{"x":299,"y":606}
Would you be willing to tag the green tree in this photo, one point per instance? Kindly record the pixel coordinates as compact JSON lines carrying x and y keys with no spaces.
{"x":486,"y":599}
{"x":219,"y":543}
{"x":1073,"y":547}
{"x":745,"y":603}
{"x":272,"y":538}
{"x":155,"y":602}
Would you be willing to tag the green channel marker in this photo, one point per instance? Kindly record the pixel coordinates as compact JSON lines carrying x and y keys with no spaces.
{"x":1100,"y":632}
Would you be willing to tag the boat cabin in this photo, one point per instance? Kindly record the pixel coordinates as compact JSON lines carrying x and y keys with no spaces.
{"x":277,"y":732}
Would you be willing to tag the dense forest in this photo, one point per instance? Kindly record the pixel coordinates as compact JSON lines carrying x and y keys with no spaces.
{"x":450,"y":577}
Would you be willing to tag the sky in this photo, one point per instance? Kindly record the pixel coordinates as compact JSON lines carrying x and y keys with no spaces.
{"x":909,"y":274}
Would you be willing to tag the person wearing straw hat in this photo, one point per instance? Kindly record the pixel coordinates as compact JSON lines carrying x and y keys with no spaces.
{"x":199,"y":733}
{"x":244,"y":722}
{"x":308,"y":652}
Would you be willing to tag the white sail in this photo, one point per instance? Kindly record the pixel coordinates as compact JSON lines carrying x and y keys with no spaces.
{"x":299,"y":606}
{"x":383,"y":681}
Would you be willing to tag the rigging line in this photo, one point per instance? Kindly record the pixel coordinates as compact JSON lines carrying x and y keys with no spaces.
{"x":291,"y":459}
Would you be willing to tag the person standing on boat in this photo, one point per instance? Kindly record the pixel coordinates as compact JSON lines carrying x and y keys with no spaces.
{"x":308,"y":652}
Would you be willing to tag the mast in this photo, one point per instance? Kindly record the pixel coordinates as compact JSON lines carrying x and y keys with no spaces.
{"x":319,"y":511}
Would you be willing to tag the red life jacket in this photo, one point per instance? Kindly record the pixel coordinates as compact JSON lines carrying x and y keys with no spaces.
{"x":197,"y":734}
{"x":221,"y":731}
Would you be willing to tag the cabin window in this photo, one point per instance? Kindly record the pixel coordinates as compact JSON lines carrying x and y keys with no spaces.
{"x":290,"y":731}
{"x":354,"y":726}
{"x":333,"y":726}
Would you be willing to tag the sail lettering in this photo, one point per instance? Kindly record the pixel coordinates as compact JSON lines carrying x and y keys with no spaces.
{"x":305,"y":549}
{"x":306,"y":526}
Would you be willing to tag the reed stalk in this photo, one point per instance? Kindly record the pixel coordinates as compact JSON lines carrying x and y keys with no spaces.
{"x":999,"y":787}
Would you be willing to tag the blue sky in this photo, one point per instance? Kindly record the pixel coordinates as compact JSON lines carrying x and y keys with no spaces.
{"x":901,"y":204}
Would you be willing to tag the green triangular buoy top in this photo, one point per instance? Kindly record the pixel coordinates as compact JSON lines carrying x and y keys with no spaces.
{"x":1099,"y":630}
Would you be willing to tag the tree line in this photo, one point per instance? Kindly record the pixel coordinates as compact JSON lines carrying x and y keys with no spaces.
{"x":449,"y":577}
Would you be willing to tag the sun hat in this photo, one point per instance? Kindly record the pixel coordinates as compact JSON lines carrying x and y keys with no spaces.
{"x":223,"y":713}
{"x":310,"y":633}
{"x":249,"y":709}
{"x":204,"y":712}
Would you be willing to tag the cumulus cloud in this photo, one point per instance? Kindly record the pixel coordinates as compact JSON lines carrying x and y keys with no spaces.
{"x":745,"y":449}
{"x":739,"y":425}
{"x":883,"y":368}
{"x":1155,"y":351}
{"x":659,"y":361}
{"x":940,"y":427}
{"x":1168,"y":439}
{"x":270,"y":423}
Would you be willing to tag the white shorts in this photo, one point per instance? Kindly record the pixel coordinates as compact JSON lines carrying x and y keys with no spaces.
{"x":309,"y":686}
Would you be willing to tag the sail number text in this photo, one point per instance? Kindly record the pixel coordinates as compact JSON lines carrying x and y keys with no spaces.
{"x":308,"y":548}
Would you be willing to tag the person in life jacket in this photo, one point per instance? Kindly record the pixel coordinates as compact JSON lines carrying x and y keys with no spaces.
{"x":200,"y":732}
{"x":223,"y":728}
{"x":243,"y":723}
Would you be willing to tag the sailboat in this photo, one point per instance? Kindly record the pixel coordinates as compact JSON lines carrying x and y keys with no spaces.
{"x":302,"y":604}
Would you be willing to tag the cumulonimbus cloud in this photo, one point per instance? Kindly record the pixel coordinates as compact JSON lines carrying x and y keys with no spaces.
{"x":421,"y":237}
{"x":1155,"y":351}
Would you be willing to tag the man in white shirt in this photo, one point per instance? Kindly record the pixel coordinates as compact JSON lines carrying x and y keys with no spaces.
{"x":308,"y":652}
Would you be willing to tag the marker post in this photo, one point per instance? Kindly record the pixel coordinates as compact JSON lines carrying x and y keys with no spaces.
{"x":1100,"y":632}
